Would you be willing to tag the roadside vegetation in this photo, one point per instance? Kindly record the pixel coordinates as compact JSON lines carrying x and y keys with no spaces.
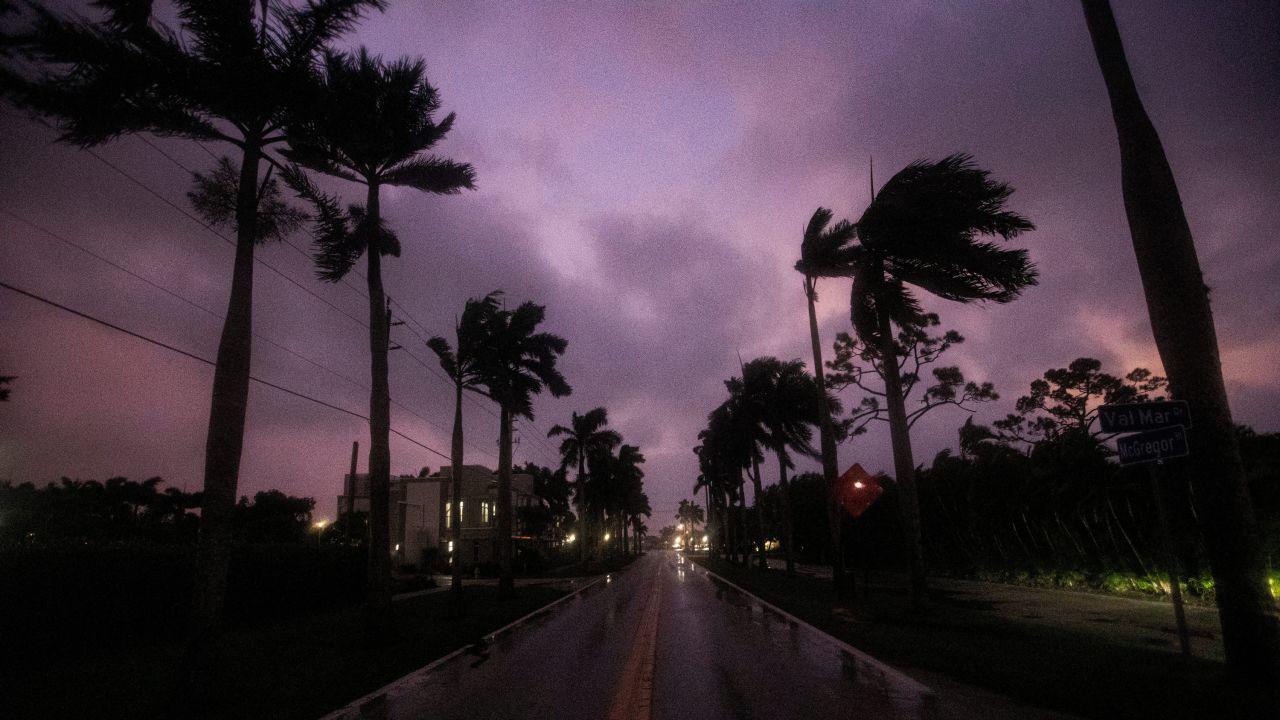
{"x":981,"y":639}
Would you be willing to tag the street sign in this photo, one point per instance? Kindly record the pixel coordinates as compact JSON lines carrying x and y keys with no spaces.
{"x":1153,"y":446}
{"x":856,"y":490}
{"x":1140,"y":417}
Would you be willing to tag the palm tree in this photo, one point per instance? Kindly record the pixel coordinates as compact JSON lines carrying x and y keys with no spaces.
{"x":821,"y":247}
{"x":519,"y":363}
{"x":922,"y":230}
{"x":629,"y":488}
{"x":473,"y":333}
{"x":639,"y":529}
{"x":745,"y":428}
{"x":690,"y":516}
{"x":780,"y":398}
{"x":232,"y":73}
{"x":637,"y":506}
{"x":728,"y":448}
{"x":584,"y":437}
{"x":1182,"y":322}
{"x":370,"y":123}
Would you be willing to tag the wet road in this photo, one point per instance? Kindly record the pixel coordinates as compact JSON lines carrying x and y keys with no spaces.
{"x":663,"y":640}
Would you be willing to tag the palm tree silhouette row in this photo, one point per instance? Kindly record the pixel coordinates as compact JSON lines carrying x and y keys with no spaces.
{"x":584,"y":437}
{"x":232,"y":72}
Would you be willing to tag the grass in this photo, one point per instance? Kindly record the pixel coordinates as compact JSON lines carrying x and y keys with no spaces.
{"x":1033,"y":659}
{"x":298,"y":668}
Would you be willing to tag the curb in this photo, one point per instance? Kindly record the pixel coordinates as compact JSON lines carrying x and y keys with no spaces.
{"x":908,"y":686}
{"x":352,"y":709}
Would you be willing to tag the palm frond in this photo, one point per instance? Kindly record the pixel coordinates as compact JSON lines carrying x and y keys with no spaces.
{"x":432,"y":174}
{"x":214,"y":195}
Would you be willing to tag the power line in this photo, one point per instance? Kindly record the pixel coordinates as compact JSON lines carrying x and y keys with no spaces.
{"x":403,"y":311}
{"x":270,"y":267}
{"x":216,"y":315}
{"x":193,"y":356}
{"x":146,"y":188}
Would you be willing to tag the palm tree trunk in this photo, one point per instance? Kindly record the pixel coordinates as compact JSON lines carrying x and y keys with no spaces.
{"x":755,"y":483}
{"x":582,"y":511}
{"x":789,"y":537}
{"x":904,"y":465}
{"x":506,"y":584}
{"x":378,"y":600}
{"x":1182,"y":322}
{"x":455,"y":494}
{"x":830,"y":462}
{"x":225,"y":440}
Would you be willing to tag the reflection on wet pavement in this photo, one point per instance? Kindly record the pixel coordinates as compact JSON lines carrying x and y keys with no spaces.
{"x":663,"y":639}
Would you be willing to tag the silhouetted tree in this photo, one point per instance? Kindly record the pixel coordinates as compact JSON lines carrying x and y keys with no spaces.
{"x":1067,"y":399}
{"x":520,"y":362}
{"x":1182,"y":322}
{"x":5,"y":382}
{"x":823,"y":247}
{"x":584,"y":437}
{"x":917,"y":349}
{"x":784,"y":401}
{"x":922,"y":230}
{"x":230,"y":72}
{"x":370,"y":123}
{"x":472,"y":334}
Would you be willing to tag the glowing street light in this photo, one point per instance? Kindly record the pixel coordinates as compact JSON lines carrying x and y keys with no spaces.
{"x":571,"y":538}
{"x":607,"y":536}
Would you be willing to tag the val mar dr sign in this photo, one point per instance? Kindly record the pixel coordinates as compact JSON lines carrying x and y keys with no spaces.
{"x":1140,"y":417}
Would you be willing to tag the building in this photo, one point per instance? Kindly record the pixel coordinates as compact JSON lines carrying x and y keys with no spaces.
{"x":421,"y":529}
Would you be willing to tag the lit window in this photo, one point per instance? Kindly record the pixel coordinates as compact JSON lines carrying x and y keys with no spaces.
{"x":448,"y":514}
{"x":484,"y":512}
{"x":450,"y":547}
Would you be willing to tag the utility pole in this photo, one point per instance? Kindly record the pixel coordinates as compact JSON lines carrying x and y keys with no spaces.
{"x":351,"y":489}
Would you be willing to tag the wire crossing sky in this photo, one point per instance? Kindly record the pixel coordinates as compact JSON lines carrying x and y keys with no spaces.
{"x":645,"y":170}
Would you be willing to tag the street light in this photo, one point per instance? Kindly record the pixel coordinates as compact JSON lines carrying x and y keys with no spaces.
{"x":607,"y":536}
{"x":319,"y":526}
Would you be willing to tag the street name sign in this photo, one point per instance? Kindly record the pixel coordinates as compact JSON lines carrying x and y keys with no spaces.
{"x":1140,"y":417}
{"x":1153,"y":446}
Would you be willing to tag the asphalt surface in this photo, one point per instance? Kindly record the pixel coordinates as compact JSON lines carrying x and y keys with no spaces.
{"x":662,"y":640}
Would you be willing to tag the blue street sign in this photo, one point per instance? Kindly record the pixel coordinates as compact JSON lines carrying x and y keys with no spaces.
{"x":1153,"y":446}
{"x":1140,"y":417}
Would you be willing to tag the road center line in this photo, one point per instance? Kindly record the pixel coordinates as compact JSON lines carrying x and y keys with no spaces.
{"x":633,"y":699}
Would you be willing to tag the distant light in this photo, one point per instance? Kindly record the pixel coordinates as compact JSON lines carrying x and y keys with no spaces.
{"x":320,"y":524}
{"x":571,"y":538}
{"x":858,"y":484}
{"x":704,"y":539}
{"x":397,"y":547}
{"x":451,"y":546}
{"x":607,"y":536}
{"x":680,"y":526}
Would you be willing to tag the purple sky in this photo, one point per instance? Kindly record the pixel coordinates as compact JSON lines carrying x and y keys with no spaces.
{"x":645,"y":171}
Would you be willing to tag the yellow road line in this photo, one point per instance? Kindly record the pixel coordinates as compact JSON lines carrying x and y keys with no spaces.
{"x":633,"y":699}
